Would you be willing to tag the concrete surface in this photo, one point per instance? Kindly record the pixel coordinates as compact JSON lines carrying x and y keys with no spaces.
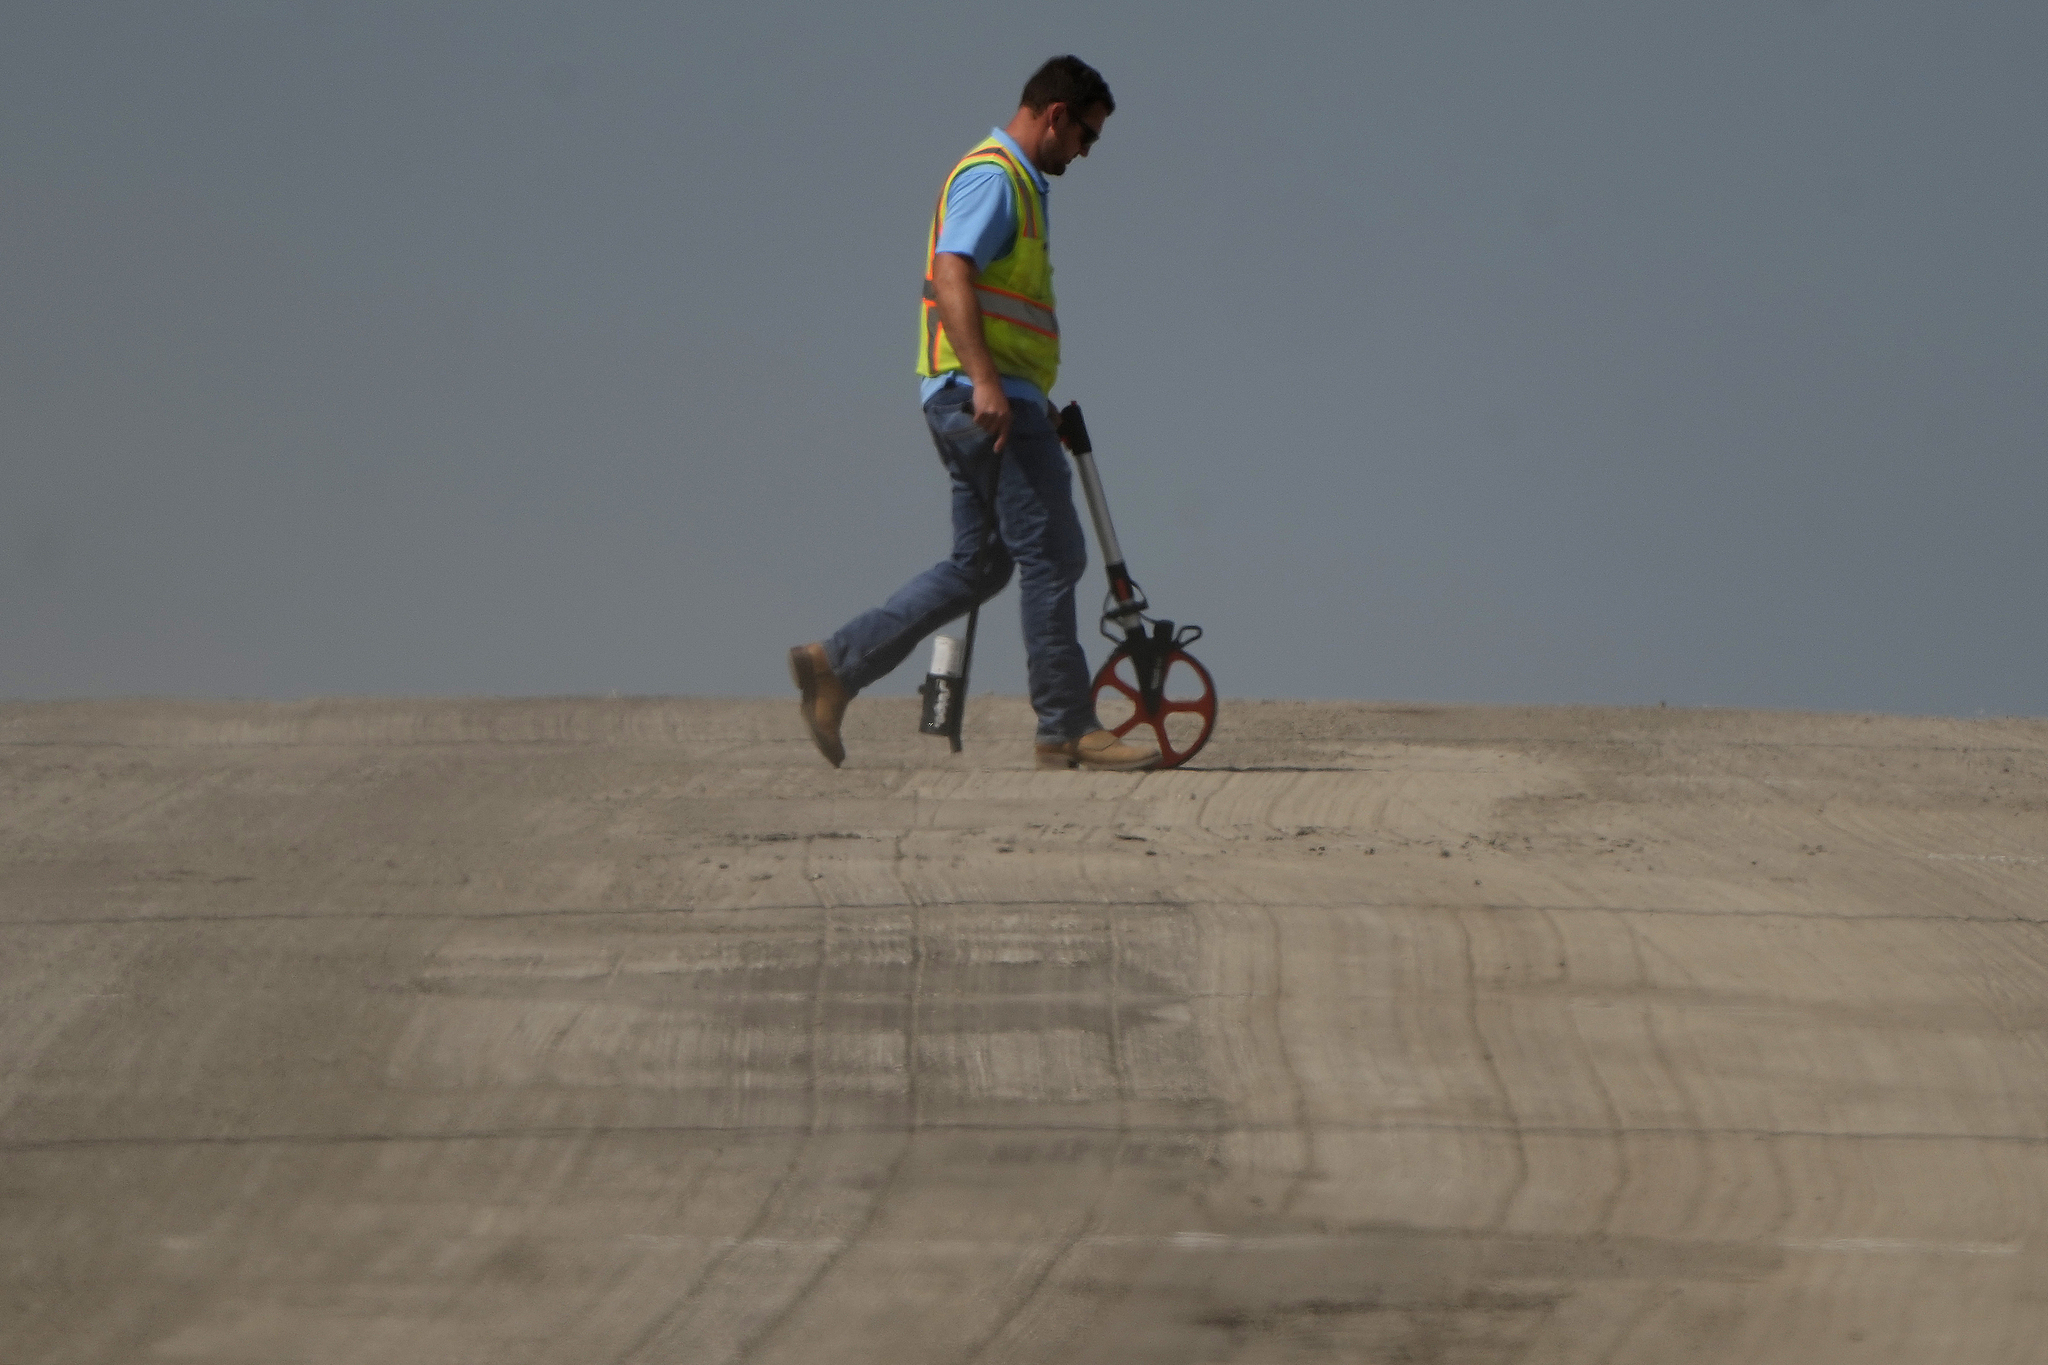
{"x":629,"y":1032}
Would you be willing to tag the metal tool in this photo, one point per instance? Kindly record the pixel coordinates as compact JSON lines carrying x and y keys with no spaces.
{"x":1150,"y":675}
{"x":945,"y":685}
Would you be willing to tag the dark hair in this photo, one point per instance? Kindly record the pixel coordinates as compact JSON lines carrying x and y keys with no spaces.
{"x":1069,"y":81}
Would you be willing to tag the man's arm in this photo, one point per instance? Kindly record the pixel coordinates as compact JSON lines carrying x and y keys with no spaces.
{"x":960,"y":314}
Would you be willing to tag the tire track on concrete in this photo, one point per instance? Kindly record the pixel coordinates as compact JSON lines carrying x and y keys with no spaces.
{"x":771,"y":1202}
{"x":913,"y":1003}
{"x":1305,"y":1163}
{"x":1306,"y":1170}
{"x":1611,"y":1202}
{"x":1091,"y":1224}
{"x":1696,"y":1198}
{"x":1499,"y":1083}
{"x":596,"y":1305}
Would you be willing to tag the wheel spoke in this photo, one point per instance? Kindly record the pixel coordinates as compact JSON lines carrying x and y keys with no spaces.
{"x":1120,"y":685}
{"x":1165,"y":746}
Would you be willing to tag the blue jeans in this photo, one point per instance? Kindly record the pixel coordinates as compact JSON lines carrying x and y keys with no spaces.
{"x":1039,"y":536}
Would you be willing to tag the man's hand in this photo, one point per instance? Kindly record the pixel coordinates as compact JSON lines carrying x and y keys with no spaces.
{"x":992,"y":411}
{"x":960,"y":315}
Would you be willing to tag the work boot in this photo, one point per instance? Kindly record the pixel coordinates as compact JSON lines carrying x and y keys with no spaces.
{"x":1097,"y":749}
{"x":824,"y":699}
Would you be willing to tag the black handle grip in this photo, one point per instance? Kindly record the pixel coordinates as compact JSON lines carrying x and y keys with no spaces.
{"x":1074,"y":431}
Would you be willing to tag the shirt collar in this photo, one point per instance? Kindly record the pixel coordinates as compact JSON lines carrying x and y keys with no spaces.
{"x":1037,"y":176}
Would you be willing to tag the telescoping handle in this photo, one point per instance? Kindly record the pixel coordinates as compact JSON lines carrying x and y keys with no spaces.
{"x":1074,"y":432}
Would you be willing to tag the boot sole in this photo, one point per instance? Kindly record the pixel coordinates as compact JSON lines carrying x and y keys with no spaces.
{"x":1058,"y":759}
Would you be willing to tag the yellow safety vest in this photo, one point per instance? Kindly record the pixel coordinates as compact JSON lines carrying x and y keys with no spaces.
{"x":1018,"y":319}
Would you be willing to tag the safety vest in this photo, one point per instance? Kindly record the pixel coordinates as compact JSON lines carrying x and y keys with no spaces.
{"x":1017,"y":313}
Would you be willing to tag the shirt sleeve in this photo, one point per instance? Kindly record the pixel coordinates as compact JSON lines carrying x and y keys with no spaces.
{"x":981,"y":216}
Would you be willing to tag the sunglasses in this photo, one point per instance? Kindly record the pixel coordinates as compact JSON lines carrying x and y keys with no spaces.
{"x":1088,"y":135}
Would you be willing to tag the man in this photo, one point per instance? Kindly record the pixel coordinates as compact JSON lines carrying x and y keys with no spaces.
{"x":988,"y":354}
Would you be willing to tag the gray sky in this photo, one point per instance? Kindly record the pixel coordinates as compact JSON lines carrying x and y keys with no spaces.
{"x":1467,"y":352}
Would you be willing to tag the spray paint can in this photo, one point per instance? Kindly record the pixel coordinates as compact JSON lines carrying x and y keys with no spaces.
{"x":941,"y":690}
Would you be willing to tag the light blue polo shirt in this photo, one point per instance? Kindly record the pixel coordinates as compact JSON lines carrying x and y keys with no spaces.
{"x":981,"y":222}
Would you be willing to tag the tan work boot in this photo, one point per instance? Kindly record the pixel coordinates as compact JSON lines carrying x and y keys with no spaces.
{"x":824,"y":699}
{"x":1097,"y":749}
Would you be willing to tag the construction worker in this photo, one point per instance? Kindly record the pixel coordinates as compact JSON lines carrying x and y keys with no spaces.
{"x":988,"y":353}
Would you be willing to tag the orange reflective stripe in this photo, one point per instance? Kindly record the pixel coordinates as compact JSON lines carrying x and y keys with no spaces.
{"x":1002,"y":303}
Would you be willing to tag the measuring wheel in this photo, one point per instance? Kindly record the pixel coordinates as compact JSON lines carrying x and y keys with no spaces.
{"x":1150,"y":679}
{"x":1177,"y":703}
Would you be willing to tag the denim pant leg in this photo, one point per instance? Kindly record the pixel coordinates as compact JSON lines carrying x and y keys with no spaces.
{"x":872,"y":644}
{"x":1035,"y":505}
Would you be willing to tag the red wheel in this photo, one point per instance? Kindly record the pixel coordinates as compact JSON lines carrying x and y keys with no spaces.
{"x":1187,"y":704}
